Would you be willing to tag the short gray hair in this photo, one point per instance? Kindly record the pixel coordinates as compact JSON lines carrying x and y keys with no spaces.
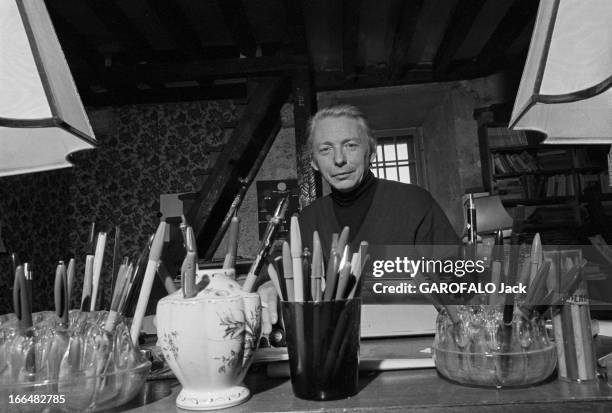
{"x":338,"y":111}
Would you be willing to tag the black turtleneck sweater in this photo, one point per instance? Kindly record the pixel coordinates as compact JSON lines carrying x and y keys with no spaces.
{"x":378,"y":211}
{"x":350,"y":208}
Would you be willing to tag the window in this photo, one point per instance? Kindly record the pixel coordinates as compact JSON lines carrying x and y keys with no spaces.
{"x":397,"y":157}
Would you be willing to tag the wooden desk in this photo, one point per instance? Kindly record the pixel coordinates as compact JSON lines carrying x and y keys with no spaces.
{"x":412,"y":391}
{"x":415,"y":391}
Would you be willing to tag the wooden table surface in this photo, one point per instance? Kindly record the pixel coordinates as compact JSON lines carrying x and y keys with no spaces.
{"x":413,"y":391}
{"x":420,"y":390}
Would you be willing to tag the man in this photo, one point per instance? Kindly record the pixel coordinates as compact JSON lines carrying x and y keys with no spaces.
{"x":378,"y":211}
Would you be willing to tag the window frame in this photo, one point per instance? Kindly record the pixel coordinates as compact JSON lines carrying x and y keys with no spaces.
{"x":417,"y":143}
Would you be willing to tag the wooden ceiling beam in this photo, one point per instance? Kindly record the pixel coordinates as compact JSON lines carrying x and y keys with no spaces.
{"x":236,"y":19}
{"x":165,"y":94}
{"x":323,"y":21}
{"x":214,"y":69}
{"x":296,"y":26}
{"x":494,"y":56}
{"x":178,"y":26}
{"x":121,"y":27}
{"x":404,"y":34}
{"x":466,"y":11}
{"x":350,"y":37}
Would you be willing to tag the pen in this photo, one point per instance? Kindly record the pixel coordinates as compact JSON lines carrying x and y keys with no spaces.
{"x":88,"y":275}
{"x":288,"y":271}
{"x":60,"y":293}
{"x":70,"y":281}
{"x":317,"y":267}
{"x":296,"y":255}
{"x":147,"y":282}
{"x":496,"y":266}
{"x":97,"y":268}
{"x":343,"y":273}
{"x":275,"y":280}
{"x":189,"y":273}
{"x":535,"y":257}
{"x":116,"y":256}
{"x":331,"y":274}
{"x":363,"y":259}
{"x":232,"y":244}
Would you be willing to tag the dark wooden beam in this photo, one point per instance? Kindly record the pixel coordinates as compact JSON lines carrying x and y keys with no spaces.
{"x":235,"y":17}
{"x":461,"y":22}
{"x":178,"y":26}
{"x":214,"y":199}
{"x":350,"y":36}
{"x":323,"y":20}
{"x":404,"y":34}
{"x":163,"y":95}
{"x":121,"y":27}
{"x":494,"y":56}
{"x":87,"y":64}
{"x":296,"y":26}
{"x":221,"y":68}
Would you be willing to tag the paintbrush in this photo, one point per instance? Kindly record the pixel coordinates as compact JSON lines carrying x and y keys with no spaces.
{"x":88,"y":275}
{"x":288,"y":271}
{"x":232,"y":243}
{"x":147,"y":282}
{"x":266,"y":244}
{"x":97,"y":268}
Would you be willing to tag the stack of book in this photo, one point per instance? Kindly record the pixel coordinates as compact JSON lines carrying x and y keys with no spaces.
{"x":553,"y":159}
{"x":502,"y":137}
{"x":507,"y":163}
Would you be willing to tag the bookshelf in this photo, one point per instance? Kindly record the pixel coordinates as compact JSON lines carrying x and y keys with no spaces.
{"x":551,"y":179}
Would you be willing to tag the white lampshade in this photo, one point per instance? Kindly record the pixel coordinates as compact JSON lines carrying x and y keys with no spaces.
{"x":42,"y":119}
{"x":565,"y":89}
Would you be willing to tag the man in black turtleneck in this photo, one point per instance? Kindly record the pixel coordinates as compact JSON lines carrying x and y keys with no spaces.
{"x":376,"y":210}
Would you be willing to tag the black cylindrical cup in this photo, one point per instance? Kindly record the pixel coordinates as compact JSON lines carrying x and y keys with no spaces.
{"x":323,"y":345}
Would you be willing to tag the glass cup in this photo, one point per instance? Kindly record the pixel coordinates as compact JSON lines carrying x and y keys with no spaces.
{"x":323,"y":345}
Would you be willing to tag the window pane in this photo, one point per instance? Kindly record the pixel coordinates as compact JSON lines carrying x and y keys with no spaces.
{"x":402,"y":151}
{"x":404,"y":174}
{"x":379,"y":155}
{"x":389,"y":152}
{"x":391,"y":173}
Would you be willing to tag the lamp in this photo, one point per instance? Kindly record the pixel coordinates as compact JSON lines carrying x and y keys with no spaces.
{"x":42,"y":119}
{"x":565,"y":91}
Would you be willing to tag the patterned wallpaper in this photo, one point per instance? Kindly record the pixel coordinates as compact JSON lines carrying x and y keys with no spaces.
{"x":143,"y":151}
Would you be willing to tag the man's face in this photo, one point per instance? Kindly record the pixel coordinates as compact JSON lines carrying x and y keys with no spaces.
{"x":340,"y":152}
